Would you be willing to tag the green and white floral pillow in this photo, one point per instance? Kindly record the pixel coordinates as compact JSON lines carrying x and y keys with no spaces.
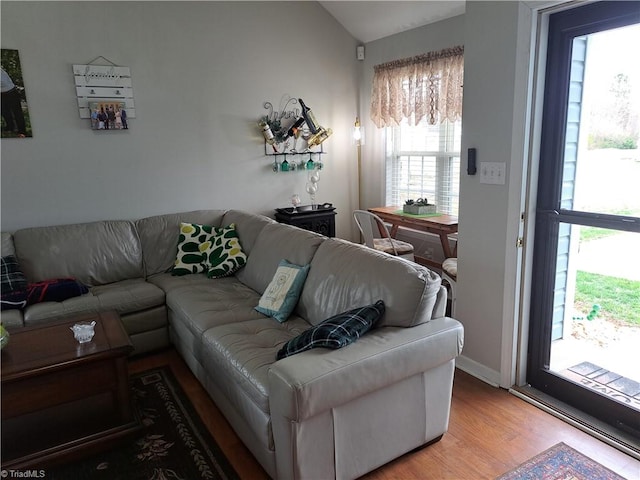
{"x":192,"y":242}
{"x":223,"y":254}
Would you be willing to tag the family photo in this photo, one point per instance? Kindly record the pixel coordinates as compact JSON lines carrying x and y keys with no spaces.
{"x":108,"y":116}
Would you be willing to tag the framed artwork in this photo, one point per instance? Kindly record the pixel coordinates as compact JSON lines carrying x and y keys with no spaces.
{"x":108,"y":115}
{"x":15,"y":112}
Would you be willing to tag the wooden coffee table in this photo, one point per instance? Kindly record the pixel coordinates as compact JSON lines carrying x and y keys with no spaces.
{"x":62,"y":399}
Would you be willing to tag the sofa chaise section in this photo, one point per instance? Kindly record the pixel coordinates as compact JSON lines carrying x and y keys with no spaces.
{"x":306,"y":416}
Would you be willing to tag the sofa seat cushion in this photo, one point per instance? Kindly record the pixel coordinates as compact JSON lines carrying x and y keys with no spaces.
{"x":124,"y":297}
{"x":12,"y":318}
{"x":128,"y":296}
{"x":202,"y":303}
{"x":168,"y":282}
{"x":48,"y":311}
{"x":241,"y":354}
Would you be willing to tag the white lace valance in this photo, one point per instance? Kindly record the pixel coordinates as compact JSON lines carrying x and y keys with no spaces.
{"x":426,"y":86}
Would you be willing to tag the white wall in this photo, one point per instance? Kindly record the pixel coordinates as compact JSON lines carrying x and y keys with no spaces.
{"x":497,"y":59}
{"x":201,"y":72}
{"x":496,"y":41}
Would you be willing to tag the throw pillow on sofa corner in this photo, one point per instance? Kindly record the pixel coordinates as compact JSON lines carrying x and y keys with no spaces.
{"x":282,"y":294}
{"x":191,"y":245}
{"x":223,"y":252}
{"x":337,"y":331}
{"x":13,"y":284}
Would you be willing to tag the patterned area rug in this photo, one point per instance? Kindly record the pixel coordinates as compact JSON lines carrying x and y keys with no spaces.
{"x":560,"y":462}
{"x":173,"y":444}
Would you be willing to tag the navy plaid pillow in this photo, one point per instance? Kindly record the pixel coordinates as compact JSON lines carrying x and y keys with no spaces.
{"x":335,"y":332}
{"x":13,"y":284}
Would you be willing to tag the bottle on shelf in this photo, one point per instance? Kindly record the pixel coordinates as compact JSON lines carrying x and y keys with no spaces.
{"x":309,"y":117}
{"x":266,"y":131}
{"x":320,"y":136}
{"x":268,"y":134}
{"x":294,"y":130}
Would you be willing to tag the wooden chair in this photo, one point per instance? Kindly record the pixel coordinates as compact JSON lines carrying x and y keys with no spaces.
{"x":450,"y":275}
{"x":376,"y":235}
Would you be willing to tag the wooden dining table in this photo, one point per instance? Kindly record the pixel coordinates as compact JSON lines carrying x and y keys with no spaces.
{"x":437,"y":224}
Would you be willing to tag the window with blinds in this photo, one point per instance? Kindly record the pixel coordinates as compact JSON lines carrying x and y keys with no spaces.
{"x":424,"y":161}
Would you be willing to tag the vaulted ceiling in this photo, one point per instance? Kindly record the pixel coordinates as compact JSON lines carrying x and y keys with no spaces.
{"x":371,"y":20}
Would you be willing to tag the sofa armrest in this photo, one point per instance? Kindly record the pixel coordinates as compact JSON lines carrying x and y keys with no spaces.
{"x":316,"y":380}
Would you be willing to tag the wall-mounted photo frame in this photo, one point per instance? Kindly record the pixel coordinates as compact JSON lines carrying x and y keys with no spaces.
{"x":108,"y":89}
{"x":108,"y":115}
{"x":15,"y":122}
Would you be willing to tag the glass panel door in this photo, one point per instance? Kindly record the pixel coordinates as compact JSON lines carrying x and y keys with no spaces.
{"x":585,"y":317}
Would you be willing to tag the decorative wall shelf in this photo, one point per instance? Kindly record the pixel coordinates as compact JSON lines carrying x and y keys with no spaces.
{"x":103,"y":83}
{"x":287,"y":137}
{"x":295,"y":161}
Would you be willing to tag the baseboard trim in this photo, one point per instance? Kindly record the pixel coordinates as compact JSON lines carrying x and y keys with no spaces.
{"x":481,"y":372}
{"x":580,"y":420}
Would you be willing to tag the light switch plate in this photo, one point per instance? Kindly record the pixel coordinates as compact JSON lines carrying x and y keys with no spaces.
{"x":493,"y":173}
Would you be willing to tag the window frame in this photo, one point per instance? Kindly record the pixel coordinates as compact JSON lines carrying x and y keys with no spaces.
{"x":446,"y":181}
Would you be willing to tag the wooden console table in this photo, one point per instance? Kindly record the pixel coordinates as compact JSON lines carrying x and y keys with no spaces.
{"x":61,"y":398}
{"x":441,"y":225}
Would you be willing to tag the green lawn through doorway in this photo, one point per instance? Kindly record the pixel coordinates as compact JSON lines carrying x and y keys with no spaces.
{"x":619,"y":298}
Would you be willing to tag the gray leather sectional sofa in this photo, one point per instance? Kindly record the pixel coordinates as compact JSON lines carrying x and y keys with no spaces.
{"x":319,"y":414}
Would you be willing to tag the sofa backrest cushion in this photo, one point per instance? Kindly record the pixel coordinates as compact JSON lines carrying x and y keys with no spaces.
{"x":93,"y":253}
{"x":159,"y":236}
{"x":248,"y":226}
{"x":344,"y":276}
{"x":6,"y":244}
{"x":276,"y":242}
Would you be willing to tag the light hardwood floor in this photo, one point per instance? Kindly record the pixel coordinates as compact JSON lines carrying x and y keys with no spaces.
{"x":490,"y":433}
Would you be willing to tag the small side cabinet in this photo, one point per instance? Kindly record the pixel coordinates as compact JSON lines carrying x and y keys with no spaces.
{"x":317,"y":218}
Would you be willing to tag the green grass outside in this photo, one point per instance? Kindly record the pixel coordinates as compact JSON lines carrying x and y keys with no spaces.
{"x":593,"y":233}
{"x":619,"y":298}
